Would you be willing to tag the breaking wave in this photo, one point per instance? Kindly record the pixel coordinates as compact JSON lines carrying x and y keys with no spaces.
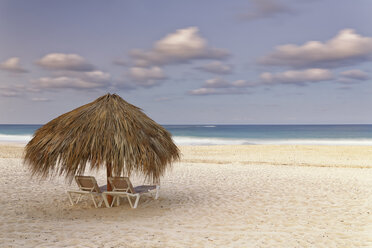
{"x":15,"y":138}
{"x":189,"y":140}
{"x":204,"y":141}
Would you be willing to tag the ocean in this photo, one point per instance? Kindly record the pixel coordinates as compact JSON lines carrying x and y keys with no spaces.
{"x":238,"y":134}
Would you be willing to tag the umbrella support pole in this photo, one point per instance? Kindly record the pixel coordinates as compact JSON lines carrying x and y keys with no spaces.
{"x":109,"y":188}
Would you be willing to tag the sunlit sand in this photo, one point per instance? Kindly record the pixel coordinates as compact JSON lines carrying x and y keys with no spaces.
{"x":217,"y":196}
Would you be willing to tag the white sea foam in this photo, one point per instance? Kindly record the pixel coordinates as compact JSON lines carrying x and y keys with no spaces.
{"x":188,"y":140}
{"x":203,"y":141}
{"x":15,"y":138}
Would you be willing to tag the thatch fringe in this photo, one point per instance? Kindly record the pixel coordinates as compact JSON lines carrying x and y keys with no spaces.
{"x":107,"y":131}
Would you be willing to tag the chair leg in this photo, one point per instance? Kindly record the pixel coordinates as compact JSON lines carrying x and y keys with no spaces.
{"x":130,"y":201}
{"x":157,"y":192}
{"x":113,"y":201}
{"x":70,"y":198}
{"x":95,"y":204}
{"x":77,"y":201}
{"x":104,"y":196}
{"x":100,"y":202}
{"x":137,"y":200}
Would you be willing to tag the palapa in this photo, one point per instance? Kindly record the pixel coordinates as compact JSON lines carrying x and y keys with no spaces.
{"x":108,"y":132}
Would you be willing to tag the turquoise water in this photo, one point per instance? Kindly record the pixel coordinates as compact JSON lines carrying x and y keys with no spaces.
{"x":238,"y":134}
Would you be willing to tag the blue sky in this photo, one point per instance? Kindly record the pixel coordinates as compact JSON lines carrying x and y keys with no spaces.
{"x":189,"y":62}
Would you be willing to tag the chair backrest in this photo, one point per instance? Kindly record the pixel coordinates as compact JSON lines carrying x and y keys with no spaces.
{"x":122,"y":184}
{"x":87,"y":183}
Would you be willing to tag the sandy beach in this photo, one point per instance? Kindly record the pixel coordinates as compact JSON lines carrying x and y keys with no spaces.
{"x":216,"y":196}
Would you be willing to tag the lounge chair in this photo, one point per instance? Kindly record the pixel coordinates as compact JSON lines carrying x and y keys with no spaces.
{"x":87,"y":186}
{"x":122,"y":187}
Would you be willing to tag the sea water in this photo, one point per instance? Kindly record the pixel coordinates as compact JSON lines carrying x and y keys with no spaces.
{"x":238,"y":134}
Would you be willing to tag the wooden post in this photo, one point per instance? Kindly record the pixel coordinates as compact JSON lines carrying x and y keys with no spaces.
{"x":109,"y":188}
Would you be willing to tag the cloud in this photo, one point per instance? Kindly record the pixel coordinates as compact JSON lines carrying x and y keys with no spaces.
{"x":216,"y":83}
{"x":97,"y":76}
{"x":182,"y":46}
{"x":40,"y":99}
{"x":62,"y":61}
{"x":216,"y":67}
{"x":14,"y":90}
{"x":166,"y":98}
{"x":346,"y":48}
{"x":345,"y":88}
{"x":221,"y":83}
{"x":296,"y":76}
{"x":266,"y":9}
{"x":66,"y":83}
{"x":219,"y":86}
{"x":74,"y":80}
{"x":243,"y":84}
{"x":203,"y":91}
{"x":12,"y":65}
{"x":9,"y":92}
{"x":146,"y":77}
{"x":215,"y":91}
{"x":355,"y":74}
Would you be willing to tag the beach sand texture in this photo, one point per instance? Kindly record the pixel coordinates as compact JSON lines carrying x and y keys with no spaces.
{"x":217,"y":196}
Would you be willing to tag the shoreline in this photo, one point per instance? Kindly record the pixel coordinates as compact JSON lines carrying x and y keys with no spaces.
{"x":288,"y":155}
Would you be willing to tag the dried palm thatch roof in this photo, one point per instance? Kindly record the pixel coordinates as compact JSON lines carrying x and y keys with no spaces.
{"x":108,"y":132}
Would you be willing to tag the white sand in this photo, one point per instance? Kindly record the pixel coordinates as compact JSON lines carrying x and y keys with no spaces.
{"x":232,"y":202}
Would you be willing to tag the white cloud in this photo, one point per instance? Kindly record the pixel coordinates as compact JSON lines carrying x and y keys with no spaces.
{"x":216,"y":83}
{"x":9,"y":92}
{"x":66,"y":83}
{"x":355,"y":74}
{"x":216,"y":67}
{"x":203,"y":91}
{"x":14,"y":90}
{"x":346,"y":48}
{"x":40,"y":99}
{"x":243,"y":83}
{"x":221,"y":83}
{"x":62,"y":61}
{"x":266,"y":9}
{"x":146,"y":77}
{"x":97,"y":76}
{"x":216,"y":91}
{"x":182,"y":46}
{"x":297,"y":77}
{"x":166,"y":98}
{"x":12,"y":65}
{"x":74,"y":80}
{"x":219,"y":86}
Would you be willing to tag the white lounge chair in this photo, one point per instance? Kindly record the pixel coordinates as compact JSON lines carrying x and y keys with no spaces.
{"x":122,"y":187}
{"x":87,"y":186}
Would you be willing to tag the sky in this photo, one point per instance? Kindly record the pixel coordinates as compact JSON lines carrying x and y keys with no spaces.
{"x":189,"y":62}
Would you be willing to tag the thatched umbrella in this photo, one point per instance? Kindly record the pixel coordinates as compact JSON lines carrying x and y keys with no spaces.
{"x":108,"y":132}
